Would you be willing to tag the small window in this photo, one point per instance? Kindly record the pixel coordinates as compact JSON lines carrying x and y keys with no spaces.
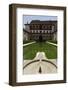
{"x":35,"y":31}
{"x":32,"y":31}
{"x":38,"y":31}
{"x":45,"y":31}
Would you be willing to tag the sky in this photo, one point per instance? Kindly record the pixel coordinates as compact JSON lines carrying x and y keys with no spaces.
{"x":29,"y":18}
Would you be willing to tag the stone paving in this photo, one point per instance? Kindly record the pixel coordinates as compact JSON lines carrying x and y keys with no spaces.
{"x":40,"y":56}
{"x":46,"y":67}
{"x":52,"y":43}
{"x":28,"y":43}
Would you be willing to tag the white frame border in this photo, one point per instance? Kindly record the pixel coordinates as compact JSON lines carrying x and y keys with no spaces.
{"x":44,"y":77}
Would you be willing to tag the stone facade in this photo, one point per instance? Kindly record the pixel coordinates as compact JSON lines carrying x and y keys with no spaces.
{"x":25,"y":35}
{"x":47,"y":30}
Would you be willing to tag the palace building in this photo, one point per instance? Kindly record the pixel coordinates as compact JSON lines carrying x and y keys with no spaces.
{"x":37,"y":29}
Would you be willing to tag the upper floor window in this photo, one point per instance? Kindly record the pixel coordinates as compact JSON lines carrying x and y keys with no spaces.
{"x":35,"y":31}
{"x":38,"y":31}
{"x":42,"y":31}
{"x":44,"y":27}
{"x":49,"y":27}
{"x":45,"y":31}
{"x":48,"y":31}
{"x":32,"y":31}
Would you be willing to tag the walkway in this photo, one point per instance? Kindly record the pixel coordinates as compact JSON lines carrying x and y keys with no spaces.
{"x":34,"y":68}
{"x":37,"y":63}
{"x":28,"y":43}
{"x":40,"y":56}
{"x":51,"y":43}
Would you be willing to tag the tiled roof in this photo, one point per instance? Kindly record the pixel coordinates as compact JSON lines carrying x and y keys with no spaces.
{"x":42,"y":22}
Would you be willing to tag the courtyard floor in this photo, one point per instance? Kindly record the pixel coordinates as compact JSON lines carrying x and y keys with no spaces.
{"x":34,"y":67}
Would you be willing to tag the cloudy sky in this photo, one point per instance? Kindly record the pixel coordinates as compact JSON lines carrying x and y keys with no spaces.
{"x":29,"y":18}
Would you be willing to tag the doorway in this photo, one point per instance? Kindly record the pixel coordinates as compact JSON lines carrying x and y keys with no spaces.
{"x":40,"y":38}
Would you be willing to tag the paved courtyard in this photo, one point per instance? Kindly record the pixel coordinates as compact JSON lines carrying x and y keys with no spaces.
{"x":40,"y":65}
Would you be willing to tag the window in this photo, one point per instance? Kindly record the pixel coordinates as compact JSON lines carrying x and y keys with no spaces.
{"x":42,"y":31}
{"x":38,"y":31}
{"x":32,"y":31}
{"x":35,"y":31}
{"x":48,"y":31}
{"x":45,"y":31}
